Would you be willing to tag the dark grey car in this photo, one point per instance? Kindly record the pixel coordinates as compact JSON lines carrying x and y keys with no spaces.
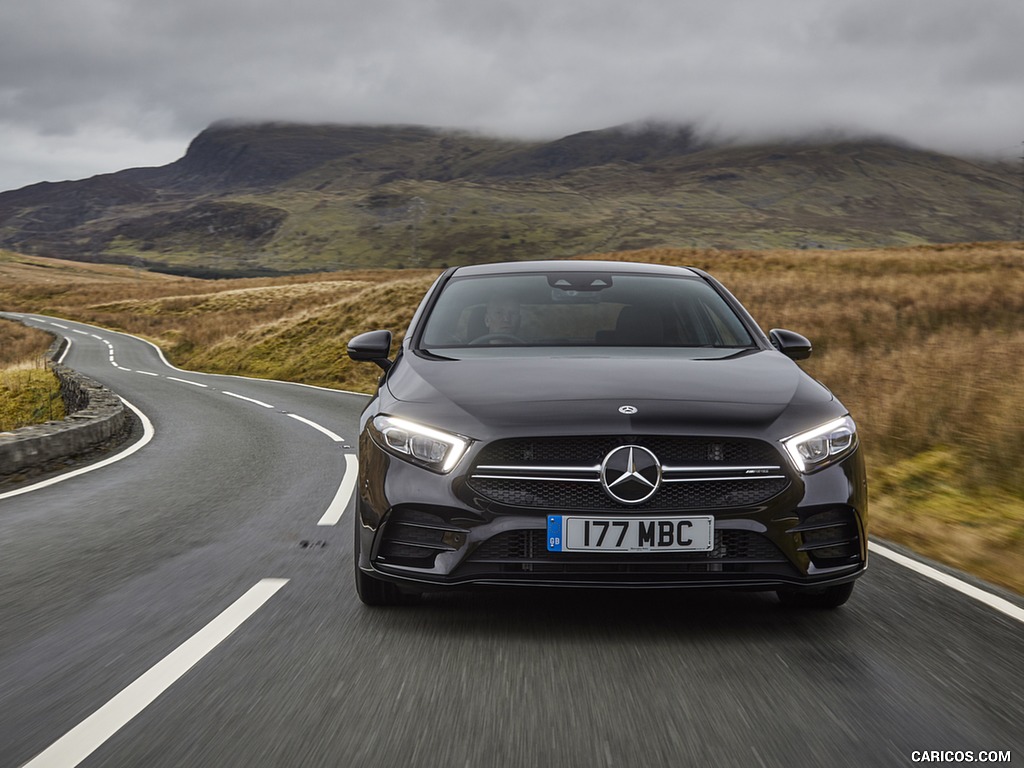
{"x":602,"y":424}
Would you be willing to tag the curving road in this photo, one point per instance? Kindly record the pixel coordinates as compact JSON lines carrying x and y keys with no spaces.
{"x":191,"y":605}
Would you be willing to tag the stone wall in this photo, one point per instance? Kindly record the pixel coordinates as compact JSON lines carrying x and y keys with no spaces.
{"x":96,"y":415}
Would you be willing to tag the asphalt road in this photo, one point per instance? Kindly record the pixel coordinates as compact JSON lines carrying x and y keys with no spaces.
{"x":189,"y":606}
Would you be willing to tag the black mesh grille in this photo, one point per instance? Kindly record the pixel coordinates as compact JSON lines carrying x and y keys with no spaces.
{"x":531,"y":545}
{"x":523,"y":556}
{"x":586,"y":454}
{"x":590,"y":451}
{"x":568,"y":495}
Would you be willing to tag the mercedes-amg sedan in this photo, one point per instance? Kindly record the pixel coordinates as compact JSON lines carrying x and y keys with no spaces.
{"x":602,"y":424}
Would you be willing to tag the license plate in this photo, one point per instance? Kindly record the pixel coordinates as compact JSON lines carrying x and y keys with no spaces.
{"x":568,"y":533}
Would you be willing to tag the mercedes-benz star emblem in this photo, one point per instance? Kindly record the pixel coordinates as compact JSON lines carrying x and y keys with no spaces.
{"x":630,"y":474}
{"x":629,"y":410}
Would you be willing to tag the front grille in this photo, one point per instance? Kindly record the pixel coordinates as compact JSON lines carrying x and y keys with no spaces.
{"x":564,"y":473}
{"x":525,"y":552}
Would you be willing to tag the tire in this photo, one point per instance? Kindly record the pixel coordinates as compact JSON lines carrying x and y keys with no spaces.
{"x":373,"y":591}
{"x":820,"y":599}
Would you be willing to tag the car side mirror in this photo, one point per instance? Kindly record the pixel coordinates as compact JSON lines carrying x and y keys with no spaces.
{"x":791,"y":344}
{"x":371,"y":347}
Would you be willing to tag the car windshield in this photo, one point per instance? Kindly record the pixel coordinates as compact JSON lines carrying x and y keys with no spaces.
{"x":574,"y":309}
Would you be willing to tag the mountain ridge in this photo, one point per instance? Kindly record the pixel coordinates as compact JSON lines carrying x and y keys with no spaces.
{"x":263,"y":198}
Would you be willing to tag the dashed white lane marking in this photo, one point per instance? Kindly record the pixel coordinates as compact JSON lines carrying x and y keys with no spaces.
{"x":148,"y":373}
{"x":987,"y":598}
{"x":248,"y":399}
{"x":186,"y":381}
{"x":58,"y":325}
{"x":96,"y":337}
{"x":336,"y":438}
{"x":344,"y":495}
{"x":75,"y":330}
{"x":82,"y":740}
{"x":147,"y":434}
{"x":121,"y":368}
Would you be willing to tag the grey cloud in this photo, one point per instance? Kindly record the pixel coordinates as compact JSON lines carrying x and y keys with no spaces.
{"x":73,"y":73}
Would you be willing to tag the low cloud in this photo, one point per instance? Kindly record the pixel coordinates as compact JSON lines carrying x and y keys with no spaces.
{"x":91,"y":86}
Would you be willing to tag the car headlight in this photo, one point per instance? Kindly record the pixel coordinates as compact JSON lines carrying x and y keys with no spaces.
{"x":821,"y":446}
{"x":420,"y":444}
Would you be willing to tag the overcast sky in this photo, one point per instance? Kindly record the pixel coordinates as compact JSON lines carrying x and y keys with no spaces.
{"x":96,"y":86}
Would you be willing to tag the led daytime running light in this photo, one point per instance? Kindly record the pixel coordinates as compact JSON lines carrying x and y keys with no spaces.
{"x":819,"y":447}
{"x":425,"y":445}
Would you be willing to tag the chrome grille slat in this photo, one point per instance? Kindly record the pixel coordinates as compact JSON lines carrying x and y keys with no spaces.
{"x":538,"y":470}
{"x":712,"y":469}
{"x":538,"y":478}
{"x":720,"y":477}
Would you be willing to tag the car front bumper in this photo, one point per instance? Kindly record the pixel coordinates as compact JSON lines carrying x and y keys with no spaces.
{"x":426,"y":531}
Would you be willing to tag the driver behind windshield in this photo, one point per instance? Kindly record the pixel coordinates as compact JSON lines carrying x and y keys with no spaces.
{"x":502,"y":315}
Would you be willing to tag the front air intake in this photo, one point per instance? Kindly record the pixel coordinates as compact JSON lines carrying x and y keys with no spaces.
{"x":830,"y":538}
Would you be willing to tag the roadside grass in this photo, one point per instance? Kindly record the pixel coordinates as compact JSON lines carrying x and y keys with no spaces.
{"x":29,"y":392}
{"x":925,"y":345}
{"x":922,"y":502}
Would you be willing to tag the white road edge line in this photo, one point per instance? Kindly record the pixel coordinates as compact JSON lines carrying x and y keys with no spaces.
{"x":186,"y":381}
{"x":82,"y":740}
{"x":317,"y":427}
{"x":248,"y":399}
{"x":147,"y":434}
{"x":344,"y":494}
{"x":992,"y":601}
{"x":67,"y":347}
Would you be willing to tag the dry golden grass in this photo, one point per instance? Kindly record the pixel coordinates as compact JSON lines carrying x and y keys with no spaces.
{"x":18,"y":268}
{"x":29,"y":392}
{"x":20,"y":344}
{"x":924,"y":345}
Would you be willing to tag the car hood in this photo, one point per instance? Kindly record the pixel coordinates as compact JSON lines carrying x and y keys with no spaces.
{"x":531,"y":392}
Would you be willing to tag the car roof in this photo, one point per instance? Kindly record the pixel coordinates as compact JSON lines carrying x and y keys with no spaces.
{"x":524,"y":267}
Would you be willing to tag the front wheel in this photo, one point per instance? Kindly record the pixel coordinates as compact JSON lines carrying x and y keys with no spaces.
{"x":818,"y":599}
